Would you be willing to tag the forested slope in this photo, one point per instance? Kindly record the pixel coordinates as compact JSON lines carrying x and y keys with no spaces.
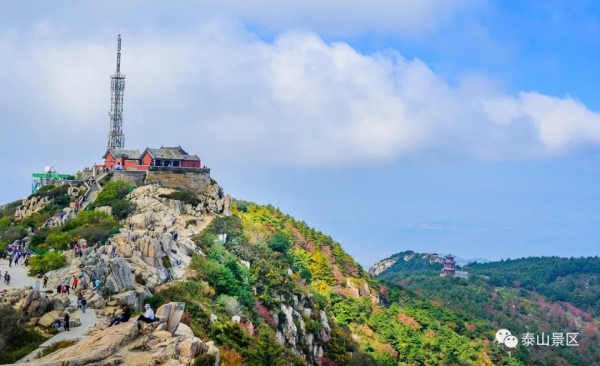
{"x":535,"y":295}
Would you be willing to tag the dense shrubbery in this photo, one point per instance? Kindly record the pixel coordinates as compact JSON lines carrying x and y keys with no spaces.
{"x":9,"y":209}
{"x":184,"y":195}
{"x":113,"y":194}
{"x":58,"y":240}
{"x":13,"y":233}
{"x":279,"y":243}
{"x":45,"y":262}
{"x":15,"y":341}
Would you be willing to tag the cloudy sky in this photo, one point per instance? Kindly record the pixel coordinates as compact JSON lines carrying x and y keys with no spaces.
{"x":463,"y":126}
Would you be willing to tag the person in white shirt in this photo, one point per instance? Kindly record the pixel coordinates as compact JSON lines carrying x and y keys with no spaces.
{"x":148,"y":316}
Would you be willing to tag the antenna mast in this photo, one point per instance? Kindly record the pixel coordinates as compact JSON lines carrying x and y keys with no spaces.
{"x":116,"y":137}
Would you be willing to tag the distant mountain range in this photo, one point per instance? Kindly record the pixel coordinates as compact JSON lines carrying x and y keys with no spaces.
{"x":463,"y":262}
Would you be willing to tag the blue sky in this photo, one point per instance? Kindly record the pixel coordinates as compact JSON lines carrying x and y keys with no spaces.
{"x":466,"y":126}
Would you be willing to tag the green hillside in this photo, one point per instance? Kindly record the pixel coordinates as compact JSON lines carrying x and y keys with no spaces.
{"x":536,"y":295}
{"x":371,"y":323}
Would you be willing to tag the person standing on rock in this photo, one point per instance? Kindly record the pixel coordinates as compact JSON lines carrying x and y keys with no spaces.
{"x":97,"y":285}
{"x":79,"y":298}
{"x":67,"y":319}
{"x":125,"y":315}
{"x":148,"y":316}
{"x":75,"y":280}
{"x":45,"y":281}
{"x":83,"y":304}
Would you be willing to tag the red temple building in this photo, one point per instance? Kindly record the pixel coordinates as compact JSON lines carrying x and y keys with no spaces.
{"x":449,"y":266}
{"x":173,"y":157}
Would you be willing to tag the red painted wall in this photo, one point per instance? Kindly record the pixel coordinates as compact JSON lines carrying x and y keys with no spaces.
{"x":146,"y":159}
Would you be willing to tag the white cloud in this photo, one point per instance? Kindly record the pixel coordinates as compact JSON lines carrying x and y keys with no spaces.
{"x":328,"y":17}
{"x":226,"y":95}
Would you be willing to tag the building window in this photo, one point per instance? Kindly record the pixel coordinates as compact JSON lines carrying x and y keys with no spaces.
{"x":175,"y":163}
{"x":159,"y":163}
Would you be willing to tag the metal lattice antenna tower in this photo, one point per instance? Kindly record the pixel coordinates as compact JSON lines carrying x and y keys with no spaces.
{"x":116,"y":137}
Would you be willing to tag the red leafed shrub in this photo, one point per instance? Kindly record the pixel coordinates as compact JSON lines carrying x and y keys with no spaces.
{"x":387,"y":348}
{"x":263,"y":312}
{"x":517,"y":283}
{"x":384,"y":291}
{"x":304,"y":243}
{"x":186,"y":318}
{"x":352,"y":271}
{"x":248,"y":326}
{"x":326,"y":252}
{"x":337,"y":274}
{"x":408,"y":321}
{"x":471,"y":327}
{"x":322,"y":361}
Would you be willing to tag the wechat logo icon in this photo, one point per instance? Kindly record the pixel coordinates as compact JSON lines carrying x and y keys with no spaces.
{"x":504,"y":337}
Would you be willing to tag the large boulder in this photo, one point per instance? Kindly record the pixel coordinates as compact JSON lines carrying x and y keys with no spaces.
{"x":94,"y":349}
{"x":48,"y":319}
{"x":172,"y":313}
{"x":211,"y":349}
{"x":190,"y":348}
{"x":184,"y":331}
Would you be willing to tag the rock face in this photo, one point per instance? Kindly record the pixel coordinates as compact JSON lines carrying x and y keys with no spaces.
{"x":31,"y":205}
{"x":120,"y":278}
{"x":106,"y":209}
{"x":379,"y":267}
{"x":302,"y":341}
{"x":126,"y":344}
{"x":172,"y":312}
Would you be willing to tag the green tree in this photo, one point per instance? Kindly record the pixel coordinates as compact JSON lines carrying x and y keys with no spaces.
{"x":265,"y":350}
{"x":279,"y":243}
{"x":4,"y":223}
{"x":59,"y":240}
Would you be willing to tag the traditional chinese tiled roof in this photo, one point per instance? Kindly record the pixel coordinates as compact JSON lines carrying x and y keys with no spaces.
{"x":118,"y":153}
{"x":173,"y":153}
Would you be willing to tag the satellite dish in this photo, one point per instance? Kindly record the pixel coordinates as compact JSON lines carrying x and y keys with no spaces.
{"x":48,"y":169}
